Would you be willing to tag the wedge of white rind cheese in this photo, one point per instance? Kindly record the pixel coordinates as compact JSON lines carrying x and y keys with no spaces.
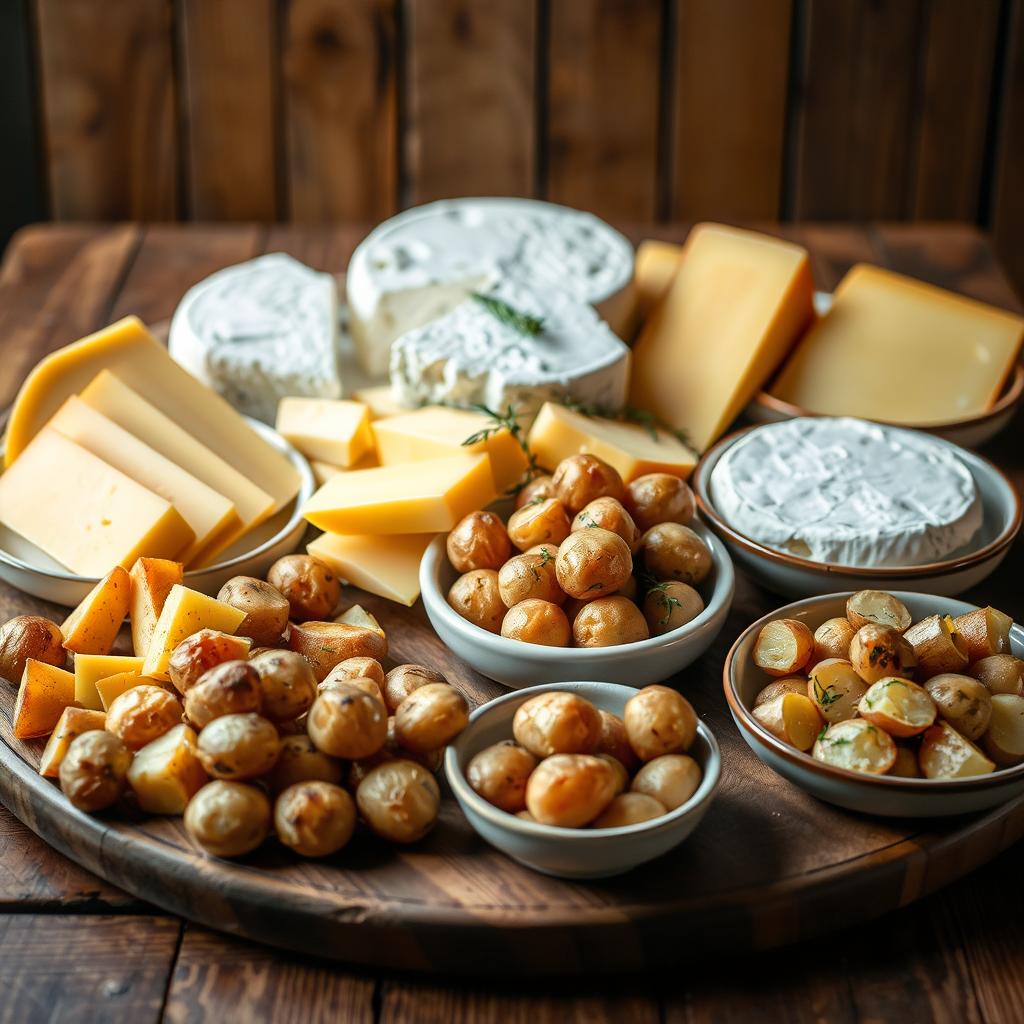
{"x":419,"y":265}
{"x":847,"y":492}
{"x":259,"y":331}
{"x":472,"y":356}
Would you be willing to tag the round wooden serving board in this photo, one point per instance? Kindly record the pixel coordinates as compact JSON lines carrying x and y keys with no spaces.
{"x":769,"y":865}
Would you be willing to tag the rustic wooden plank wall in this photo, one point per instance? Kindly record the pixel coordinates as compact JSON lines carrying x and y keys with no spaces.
{"x":328,"y":110}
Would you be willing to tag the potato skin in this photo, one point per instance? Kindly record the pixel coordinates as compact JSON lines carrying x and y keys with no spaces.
{"x":403,"y":680}
{"x":300,"y":761}
{"x":499,"y":774}
{"x":580,"y":479}
{"x":308,"y":585}
{"x":430,"y":717}
{"x":545,"y":522}
{"x":593,"y":563}
{"x":672,"y":551}
{"x":659,"y":721}
{"x":476,"y":596}
{"x":238,"y":747}
{"x":287,"y":682}
{"x":614,"y":742}
{"x":399,"y":800}
{"x":608,"y":514}
{"x":659,"y":498}
{"x":231,"y":688}
{"x":478,"y":541}
{"x":536,"y":622}
{"x":557,"y":723}
{"x":228,"y":819}
{"x":875,"y":652}
{"x":94,"y":771}
{"x":348,"y":723}
{"x":325,"y":644}
{"x":608,"y":622}
{"x":29,"y":636}
{"x":529,"y":576}
{"x":314,"y":818}
{"x":669,"y":605}
{"x":629,"y":809}
{"x":538,"y":489}
{"x":142,"y":714}
{"x":671,"y":779}
{"x":570,"y":790}
{"x":266,"y":609}
{"x":962,"y":701}
{"x":200,"y":652}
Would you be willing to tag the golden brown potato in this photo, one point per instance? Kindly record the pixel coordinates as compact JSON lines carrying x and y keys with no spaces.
{"x":608,"y":622}
{"x":832,"y":639}
{"x":499,"y":773}
{"x":580,"y":479}
{"x":629,"y":809}
{"x":905,"y":766}
{"x":300,"y":761}
{"x":309,"y":586}
{"x":879,"y":607}
{"x":348,"y":723}
{"x":369,"y":686}
{"x":937,"y":647}
{"x":314,"y":818}
{"x":985,"y":631}
{"x":945,"y":754}
{"x":399,"y":800}
{"x":357,"y":668}
{"x":557,"y":722}
{"x":287,"y":682}
{"x":962,"y":701}
{"x":835,"y":689}
{"x":783,"y":647}
{"x":621,"y":775}
{"x":529,"y":576}
{"x":325,"y":644}
{"x":230,"y":688}
{"x":777,"y":687}
{"x":478,"y":541}
{"x":476,"y":596}
{"x":898,"y":706}
{"x":1001,"y":673}
{"x":29,"y":636}
{"x":542,"y":522}
{"x":94,"y":771}
{"x":791,"y":717}
{"x":570,"y":790}
{"x":671,"y":779}
{"x":875,"y":652}
{"x":539,"y":489}
{"x":266,"y":609}
{"x":1004,"y":739}
{"x":672,"y":551}
{"x":239,"y":747}
{"x":614,"y":741}
{"x":139,"y":715}
{"x":608,"y":514}
{"x":669,"y":605}
{"x":536,"y":622}
{"x":228,"y":819}
{"x":200,"y":652}
{"x":593,"y":563}
{"x":430,"y":717}
{"x":659,"y":498}
{"x":857,"y":746}
{"x":405,"y":679}
{"x":659,"y":721}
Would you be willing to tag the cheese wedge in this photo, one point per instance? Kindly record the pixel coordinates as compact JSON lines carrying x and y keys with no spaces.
{"x":84,"y":513}
{"x":380,"y":400}
{"x":895,"y":349}
{"x":738,"y":303}
{"x":386,"y":566}
{"x":90,"y":668}
{"x":333,"y":431}
{"x":44,"y":693}
{"x":111,"y":687}
{"x":127,"y":349}
{"x":417,"y":497}
{"x":210,"y":515}
{"x":73,"y":722}
{"x":152,"y":579}
{"x":93,"y":626}
{"x":632,"y":449}
{"x":657,"y":263}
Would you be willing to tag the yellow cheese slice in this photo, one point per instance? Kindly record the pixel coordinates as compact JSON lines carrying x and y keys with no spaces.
{"x":896,"y":349}
{"x":91,"y":668}
{"x":331,"y":430}
{"x":210,"y":515}
{"x":738,"y":303}
{"x":323,"y":471}
{"x":73,"y":722}
{"x":386,"y":566}
{"x":416,"y":497}
{"x":559,"y":432}
{"x":141,"y":362}
{"x":82,"y":512}
{"x":44,"y":693}
{"x":436,"y":431}
{"x":111,"y":687}
{"x":93,"y":626}
{"x":656,"y":265}
{"x":380,"y":401}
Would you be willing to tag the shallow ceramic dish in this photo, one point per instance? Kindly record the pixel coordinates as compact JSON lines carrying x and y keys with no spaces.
{"x":24,"y":566}
{"x":870,"y":794}
{"x":799,"y":577}
{"x":574,"y":852}
{"x":516,"y":663}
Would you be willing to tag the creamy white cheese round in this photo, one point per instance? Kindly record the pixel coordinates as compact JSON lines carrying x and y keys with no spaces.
{"x":847,"y":492}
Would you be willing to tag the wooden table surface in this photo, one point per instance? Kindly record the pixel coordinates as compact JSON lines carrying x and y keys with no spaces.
{"x":74,"y":948}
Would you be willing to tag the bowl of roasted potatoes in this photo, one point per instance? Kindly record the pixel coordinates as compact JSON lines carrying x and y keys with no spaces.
{"x":584,"y":779}
{"x":888,"y":703}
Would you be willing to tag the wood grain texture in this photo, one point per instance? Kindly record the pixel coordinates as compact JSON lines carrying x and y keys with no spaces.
{"x":1007,"y":194}
{"x":728,"y":114}
{"x":470,"y":98}
{"x":107,"y":75}
{"x":229,"y":108}
{"x":340,"y":109}
{"x":603,"y":115}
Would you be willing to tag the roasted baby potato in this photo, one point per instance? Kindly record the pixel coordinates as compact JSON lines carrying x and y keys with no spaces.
{"x":570,"y":790}
{"x":985,"y":631}
{"x":238,"y":747}
{"x":357,"y":668}
{"x":399,"y":800}
{"x":314,"y":818}
{"x":44,"y":693}
{"x":499,"y":774}
{"x":672,"y":551}
{"x":783,"y":647}
{"x":629,"y":809}
{"x":875,"y":652}
{"x":659,"y":721}
{"x":857,"y":746}
{"x":73,"y":722}
{"x":310,"y":587}
{"x":536,"y":622}
{"x":228,"y":819}
{"x":593,"y":563}
{"x":608,"y":622}
{"x":230,"y":688}
{"x":529,"y":576}
{"x":1004,"y":740}
{"x":142,"y":714}
{"x":832,"y":639}
{"x":478,"y":541}
{"x":542,"y":522}
{"x":557,"y":723}
{"x":669,"y":605}
{"x":835,"y":689}
{"x":287,"y":683}
{"x":963,"y":702}
{"x":476,"y":596}
{"x":581,"y":479}
{"x":403,"y":680}
{"x":430,"y":717}
{"x":945,"y":754}
{"x":671,"y":779}
{"x":94,"y":771}
{"x":167,"y":773}
{"x":937,"y":647}
{"x":614,"y":742}
{"x":905,"y":766}
{"x":878,"y":607}
{"x":347,"y":722}
{"x":792,"y":717}
{"x":608,"y":514}
{"x":200,"y":652}
{"x":659,"y":498}
{"x":898,"y":706}
{"x":300,"y":761}
{"x":325,"y":644}
{"x":1001,"y":673}
{"x":777,"y":687}
{"x":29,"y":636}
{"x":537,"y":490}
{"x":266,"y":609}
{"x":151,"y":582}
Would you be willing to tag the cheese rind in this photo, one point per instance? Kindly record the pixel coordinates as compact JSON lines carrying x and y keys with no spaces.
{"x":44,"y":693}
{"x":90,"y":668}
{"x":386,"y":566}
{"x":152,"y":580}
{"x":93,"y":626}
{"x":73,"y":722}
{"x":734,"y":309}
{"x":336,"y":432}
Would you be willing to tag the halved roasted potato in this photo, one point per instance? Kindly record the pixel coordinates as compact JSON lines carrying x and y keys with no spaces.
{"x":985,"y":631}
{"x":858,"y":746}
{"x":937,"y":646}
{"x":875,"y":652}
{"x":879,"y":607}
{"x":792,"y":717}
{"x":962,"y":701}
{"x":835,"y":689}
{"x":1001,"y":673}
{"x":777,"y":687}
{"x":905,"y":766}
{"x":898,"y":706}
{"x":945,"y":754}
{"x":1004,"y":741}
{"x":783,"y":647}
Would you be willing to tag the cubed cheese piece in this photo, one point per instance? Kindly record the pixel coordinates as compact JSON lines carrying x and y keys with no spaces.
{"x":386,"y":566}
{"x":417,"y":497}
{"x":357,"y":615}
{"x":437,"y":431}
{"x":111,"y":687}
{"x":210,"y":515}
{"x":84,"y":513}
{"x":656,"y":265}
{"x":186,"y":612}
{"x":44,"y":693}
{"x":90,"y":668}
{"x":152,"y":579}
{"x":895,"y":349}
{"x":93,"y":626}
{"x":380,"y":400}
{"x":73,"y":722}
{"x":738,"y":303}
{"x":166,"y":773}
{"x":334,"y":431}
{"x":632,"y":449}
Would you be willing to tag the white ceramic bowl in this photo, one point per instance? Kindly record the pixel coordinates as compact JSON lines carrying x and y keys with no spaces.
{"x":24,"y":566}
{"x":793,"y":576}
{"x":574,"y":852}
{"x":516,"y":663}
{"x":871,"y":794}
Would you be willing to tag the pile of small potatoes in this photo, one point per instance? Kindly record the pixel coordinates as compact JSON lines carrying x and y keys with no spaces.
{"x":875,"y":692}
{"x":584,"y":560}
{"x":573,"y":765}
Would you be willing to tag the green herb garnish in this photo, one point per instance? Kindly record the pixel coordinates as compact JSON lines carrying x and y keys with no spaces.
{"x":507,"y":420}
{"x":524,"y":323}
{"x":627,"y":414}
{"x":823,"y":694}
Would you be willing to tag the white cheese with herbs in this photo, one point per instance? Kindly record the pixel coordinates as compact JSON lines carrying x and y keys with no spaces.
{"x":848,"y":492}
{"x":421,"y":264}
{"x":259,"y":331}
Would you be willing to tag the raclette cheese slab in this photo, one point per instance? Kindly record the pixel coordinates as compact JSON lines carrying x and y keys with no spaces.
{"x":128,"y":350}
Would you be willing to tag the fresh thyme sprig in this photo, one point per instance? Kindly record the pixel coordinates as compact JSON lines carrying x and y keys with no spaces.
{"x":507,"y":420}
{"x":627,"y":414}
{"x":519,"y":321}
{"x":664,"y":598}
{"x":824,"y":694}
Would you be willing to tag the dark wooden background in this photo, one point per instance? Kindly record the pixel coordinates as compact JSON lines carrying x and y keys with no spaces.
{"x":641,"y":110}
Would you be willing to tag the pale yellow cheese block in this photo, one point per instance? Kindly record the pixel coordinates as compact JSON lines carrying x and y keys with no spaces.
{"x":72,"y":723}
{"x":127,"y":349}
{"x":657,"y":263}
{"x":436,"y":431}
{"x":380,"y":401}
{"x":386,"y":566}
{"x":331,"y":430}
{"x":559,"y":432}
{"x":210,"y":515}
{"x":323,"y":471}
{"x":892,"y":348}
{"x":111,"y":687}
{"x":91,"y":668}
{"x":734,"y":309}
{"x":166,"y":773}
{"x":82,"y":512}
{"x":416,"y":497}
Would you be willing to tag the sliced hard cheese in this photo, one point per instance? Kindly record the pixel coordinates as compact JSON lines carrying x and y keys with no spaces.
{"x":386,"y":566}
{"x":418,"y":497}
{"x":885,"y":332}
{"x":73,"y":722}
{"x":90,"y":668}
{"x":656,"y":265}
{"x":110,"y":688}
{"x":559,"y":432}
{"x":210,"y":515}
{"x":380,"y":400}
{"x":335,"y":431}
{"x":127,"y":349}
{"x":84,"y":513}
{"x":733,"y":311}
{"x":152,"y":580}
{"x":93,"y":626}
{"x":44,"y":693}
{"x":437,"y":431}
{"x":323,"y":471}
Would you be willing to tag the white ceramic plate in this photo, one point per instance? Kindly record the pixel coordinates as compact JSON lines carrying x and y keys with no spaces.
{"x":871,"y":794}
{"x":24,"y":566}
